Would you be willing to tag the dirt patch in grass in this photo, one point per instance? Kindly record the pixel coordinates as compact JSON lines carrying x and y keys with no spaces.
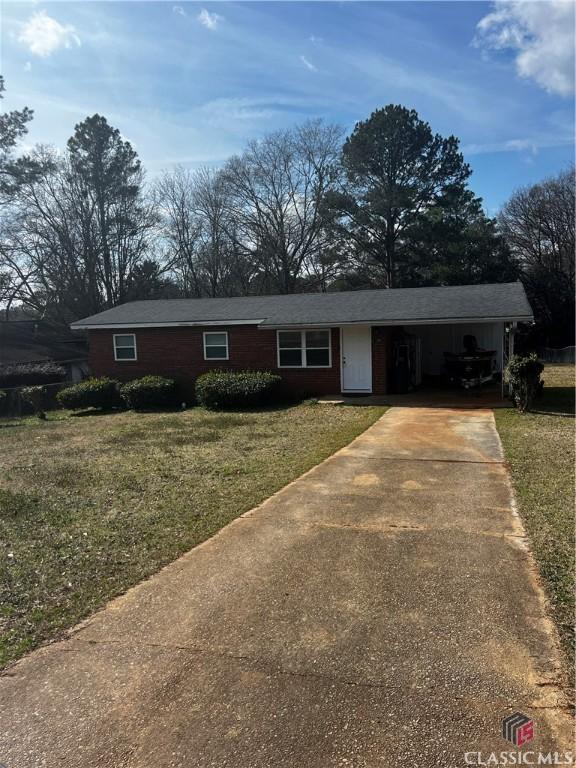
{"x":540,"y":450}
{"x":90,"y":506}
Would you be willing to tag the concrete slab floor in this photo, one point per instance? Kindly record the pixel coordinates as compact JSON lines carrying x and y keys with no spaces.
{"x":382,"y":610}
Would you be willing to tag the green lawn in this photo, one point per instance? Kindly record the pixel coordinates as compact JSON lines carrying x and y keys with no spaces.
{"x":540,"y":449}
{"x":90,"y":505}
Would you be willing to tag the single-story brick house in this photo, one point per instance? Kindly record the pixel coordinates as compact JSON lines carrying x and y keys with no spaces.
{"x":320,"y":343}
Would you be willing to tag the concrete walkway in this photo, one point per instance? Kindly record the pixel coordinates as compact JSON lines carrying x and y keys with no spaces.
{"x":382,"y":610}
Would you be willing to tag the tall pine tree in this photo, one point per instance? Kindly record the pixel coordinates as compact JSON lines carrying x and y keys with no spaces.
{"x":395,"y":170}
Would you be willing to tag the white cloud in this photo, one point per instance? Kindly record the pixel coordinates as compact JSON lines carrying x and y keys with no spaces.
{"x":28,"y":66}
{"x":542,"y":36}
{"x":522,"y":145}
{"x":527,"y":147}
{"x":43,"y":35}
{"x":179,"y":10}
{"x":209,"y":20}
{"x":308,"y":64}
{"x":225,"y":112}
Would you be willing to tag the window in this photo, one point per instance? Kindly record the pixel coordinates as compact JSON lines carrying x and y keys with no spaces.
{"x":304,"y":349}
{"x":124,"y":346}
{"x":216,"y":346}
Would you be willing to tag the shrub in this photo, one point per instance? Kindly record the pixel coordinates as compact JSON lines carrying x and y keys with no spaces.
{"x":31,"y":374}
{"x":92,"y":393}
{"x":35,"y":396}
{"x":243,"y":389}
{"x":149,"y":392}
{"x":523,"y":377}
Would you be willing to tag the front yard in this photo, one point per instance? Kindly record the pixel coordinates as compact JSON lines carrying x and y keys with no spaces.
{"x":540,"y":450}
{"x":90,"y":505}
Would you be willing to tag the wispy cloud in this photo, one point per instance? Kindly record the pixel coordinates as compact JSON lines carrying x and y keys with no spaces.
{"x":522,"y":145}
{"x":503,"y":121}
{"x":43,"y":35}
{"x":224,"y":112}
{"x":540,"y":34}
{"x":527,"y":146}
{"x":527,"y":150}
{"x":28,"y":66}
{"x":308,"y":64}
{"x":209,"y":20}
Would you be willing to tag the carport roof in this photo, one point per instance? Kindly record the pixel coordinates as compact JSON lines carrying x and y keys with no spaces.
{"x":398,"y":306}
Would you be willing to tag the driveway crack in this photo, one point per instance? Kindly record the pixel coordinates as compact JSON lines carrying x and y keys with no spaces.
{"x":194,"y":650}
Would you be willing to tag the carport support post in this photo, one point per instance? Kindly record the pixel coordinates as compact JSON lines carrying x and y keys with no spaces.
{"x":507,"y":349}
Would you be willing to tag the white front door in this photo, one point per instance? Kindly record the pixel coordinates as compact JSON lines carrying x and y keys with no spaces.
{"x":356,"y":352}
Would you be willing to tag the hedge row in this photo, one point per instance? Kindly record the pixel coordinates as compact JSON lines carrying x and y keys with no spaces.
{"x":149,"y":392}
{"x":103,"y":393}
{"x":31,"y":374}
{"x":214,"y":390}
{"x":230,"y":390}
{"x":106,"y":394}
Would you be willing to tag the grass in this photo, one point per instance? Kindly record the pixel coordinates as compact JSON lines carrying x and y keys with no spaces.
{"x":539,"y":447}
{"x":90,"y":505}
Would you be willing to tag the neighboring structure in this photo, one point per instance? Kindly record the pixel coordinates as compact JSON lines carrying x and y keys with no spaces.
{"x":38,"y":341}
{"x":320,"y":343}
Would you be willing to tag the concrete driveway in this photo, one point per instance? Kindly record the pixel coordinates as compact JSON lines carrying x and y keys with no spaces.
{"x":382,"y":610}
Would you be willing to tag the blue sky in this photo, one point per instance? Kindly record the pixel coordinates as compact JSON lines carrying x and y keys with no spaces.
{"x":191,"y":82}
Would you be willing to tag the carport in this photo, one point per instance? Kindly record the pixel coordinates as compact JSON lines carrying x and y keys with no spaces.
{"x":430,"y":344}
{"x":428,"y":339}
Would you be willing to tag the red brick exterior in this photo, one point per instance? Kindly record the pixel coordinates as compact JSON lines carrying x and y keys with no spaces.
{"x":179,"y":354}
{"x":381,"y":348}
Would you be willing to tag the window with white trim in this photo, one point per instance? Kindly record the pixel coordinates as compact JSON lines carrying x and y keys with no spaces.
{"x":216,"y":345}
{"x":125,"y":346}
{"x":304,"y":349}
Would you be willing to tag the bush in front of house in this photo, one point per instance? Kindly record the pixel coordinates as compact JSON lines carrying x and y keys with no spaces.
{"x":103,"y":393}
{"x":148,"y":393}
{"x":236,"y":389}
{"x":31,"y":374}
{"x":522,"y":375}
{"x":35,"y":397}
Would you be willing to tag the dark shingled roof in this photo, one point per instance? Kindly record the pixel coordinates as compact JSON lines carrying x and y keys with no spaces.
{"x":500,"y":301}
{"x":36,"y":341}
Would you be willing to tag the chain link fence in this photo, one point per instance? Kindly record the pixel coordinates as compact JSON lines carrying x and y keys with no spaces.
{"x":14,"y":404}
{"x":563,"y":355}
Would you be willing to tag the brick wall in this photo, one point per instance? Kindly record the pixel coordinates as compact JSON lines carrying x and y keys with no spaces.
{"x":179,"y":354}
{"x":381,"y":350}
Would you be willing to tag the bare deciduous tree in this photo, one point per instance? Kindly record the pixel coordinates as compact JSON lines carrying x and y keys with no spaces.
{"x":174,"y":197}
{"x":199,"y":230}
{"x":277,"y":186}
{"x":78,"y":230}
{"x":538,"y":224}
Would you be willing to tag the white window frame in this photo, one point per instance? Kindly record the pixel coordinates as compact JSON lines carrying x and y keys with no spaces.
{"x":213,"y":333}
{"x":125,"y":359}
{"x":303,"y":347}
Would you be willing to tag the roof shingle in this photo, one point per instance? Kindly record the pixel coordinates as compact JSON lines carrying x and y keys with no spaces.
{"x":499,"y":301}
